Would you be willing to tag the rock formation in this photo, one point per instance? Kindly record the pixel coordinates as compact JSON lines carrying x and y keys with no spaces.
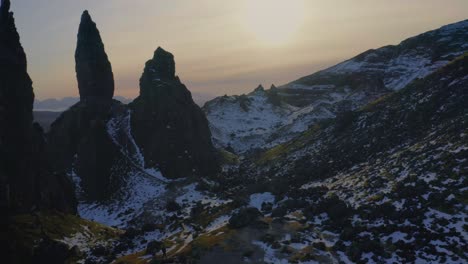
{"x":26,"y":181}
{"x":78,"y":140}
{"x":93,"y":69}
{"x":169,"y":127}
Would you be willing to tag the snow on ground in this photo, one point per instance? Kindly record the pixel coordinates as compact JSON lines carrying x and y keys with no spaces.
{"x":120,"y":131}
{"x":218,"y":223}
{"x":257,"y":199}
{"x":190,"y":197}
{"x":139,"y":190}
{"x":251,"y":121}
{"x":270,"y":253}
{"x":259,"y":123}
{"x":398,"y":72}
{"x":399,"y":236}
{"x":244,"y":127}
{"x":84,"y":240}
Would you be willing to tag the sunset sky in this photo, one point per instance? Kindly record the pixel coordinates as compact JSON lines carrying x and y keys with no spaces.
{"x":220,"y":47}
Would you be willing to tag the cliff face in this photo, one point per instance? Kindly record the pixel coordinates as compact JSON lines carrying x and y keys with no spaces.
{"x":26,"y":181}
{"x":80,"y":146}
{"x":169,"y":127}
{"x":93,"y":69}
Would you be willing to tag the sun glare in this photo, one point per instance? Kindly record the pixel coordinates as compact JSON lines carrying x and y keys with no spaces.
{"x":275,"y":21}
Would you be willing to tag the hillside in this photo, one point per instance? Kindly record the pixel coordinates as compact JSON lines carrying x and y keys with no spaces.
{"x":385,"y":183}
{"x":259,"y":120}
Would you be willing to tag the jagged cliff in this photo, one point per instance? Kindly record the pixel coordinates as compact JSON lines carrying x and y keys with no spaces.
{"x":170,"y":128}
{"x":26,"y":181}
{"x":28,"y":185}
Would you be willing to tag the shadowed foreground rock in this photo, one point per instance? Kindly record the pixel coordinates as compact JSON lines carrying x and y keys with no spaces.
{"x":26,"y":181}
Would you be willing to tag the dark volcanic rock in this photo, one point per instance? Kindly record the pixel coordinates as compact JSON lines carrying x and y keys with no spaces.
{"x":79,"y":142}
{"x":26,"y":181}
{"x":93,"y":69}
{"x":162,"y":66}
{"x":169,"y":127}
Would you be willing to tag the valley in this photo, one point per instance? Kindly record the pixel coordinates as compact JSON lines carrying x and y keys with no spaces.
{"x":362,"y":162}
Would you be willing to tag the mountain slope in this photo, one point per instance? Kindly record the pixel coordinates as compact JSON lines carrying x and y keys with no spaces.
{"x":344,"y":87}
{"x":387,"y":182}
{"x":383,"y":184}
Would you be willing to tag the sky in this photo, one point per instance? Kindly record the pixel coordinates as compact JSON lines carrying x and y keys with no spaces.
{"x":220,"y":47}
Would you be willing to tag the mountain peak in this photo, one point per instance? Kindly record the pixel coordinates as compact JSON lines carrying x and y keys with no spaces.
{"x":259,"y":88}
{"x":85,"y":17}
{"x":93,"y":69}
{"x":163,"y":65}
{"x":11,"y":46}
{"x":4,"y":8}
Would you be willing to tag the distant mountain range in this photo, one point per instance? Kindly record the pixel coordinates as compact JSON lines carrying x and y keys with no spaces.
{"x":59,"y":105}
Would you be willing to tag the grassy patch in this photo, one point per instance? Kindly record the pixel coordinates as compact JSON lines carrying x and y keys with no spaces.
{"x":227,"y":157}
{"x":286,"y":148}
{"x":134,"y":258}
{"x":30,"y":228}
{"x":208,"y":241}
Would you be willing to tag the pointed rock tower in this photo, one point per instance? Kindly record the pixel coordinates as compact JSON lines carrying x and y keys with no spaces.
{"x":79,"y":141}
{"x":93,"y":69}
{"x":25,"y":179}
{"x":169,"y":127}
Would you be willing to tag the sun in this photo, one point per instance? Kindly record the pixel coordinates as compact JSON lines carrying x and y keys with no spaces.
{"x":274,"y":21}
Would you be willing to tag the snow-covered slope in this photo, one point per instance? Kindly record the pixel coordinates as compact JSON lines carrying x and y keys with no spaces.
{"x":414,"y":58}
{"x":146,"y":203}
{"x":263,"y":119}
{"x":253,"y":121}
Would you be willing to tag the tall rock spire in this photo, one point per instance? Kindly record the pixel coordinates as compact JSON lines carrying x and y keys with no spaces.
{"x":10,"y":38}
{"x":16,"y":94}
{"x":25,"y":179}
{"x":93,"y":69}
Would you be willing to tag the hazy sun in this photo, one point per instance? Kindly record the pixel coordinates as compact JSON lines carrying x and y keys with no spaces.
{"x":275,"y":21}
